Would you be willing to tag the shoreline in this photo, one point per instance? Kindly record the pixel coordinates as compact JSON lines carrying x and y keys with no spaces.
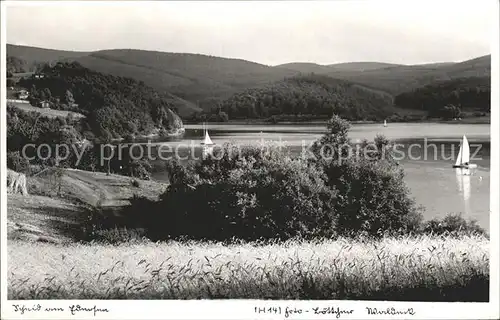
{"x":177,"y":133}
{"x":322,"y":122}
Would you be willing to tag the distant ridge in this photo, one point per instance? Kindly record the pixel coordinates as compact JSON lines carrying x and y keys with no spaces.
{"x":34,"y":55}
{"x":346,"y":66}
{"x":399,"y":79}
{"x":197,"y":78}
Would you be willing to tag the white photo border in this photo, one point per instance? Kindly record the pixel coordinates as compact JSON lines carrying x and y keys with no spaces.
{"x":245,"y":309}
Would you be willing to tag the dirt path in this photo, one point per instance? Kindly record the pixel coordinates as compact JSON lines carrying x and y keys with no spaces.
{"x":96,"y":188}
{"x":46,"y":216}
{"x":111,"y":190}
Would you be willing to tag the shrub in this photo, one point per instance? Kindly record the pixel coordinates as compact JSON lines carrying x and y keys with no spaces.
{"x":249,"y":193}
{"x":372,"y":195}
{"x":180,"y":174}
{"x":16,"y":162}
{"x":135,"y":183}
{"x":452,"y":224}
{"x":223,"y":117}
{"x":119,"y":235}
{"x":140,"y":169}
{"x":373,"y":198}
{"x":137,"y":168}
{"x":334,"y":141}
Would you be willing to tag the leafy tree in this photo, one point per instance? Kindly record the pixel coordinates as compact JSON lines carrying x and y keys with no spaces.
{"x":15,"y":64}
{"x":68,"y":98}
{"x":372,"y":195}
{"x":16,"y":162}
{"x":450,"y":111}
{"x":223,"y":117}
{"x":46,"y":93}
{"x":132,"y":127}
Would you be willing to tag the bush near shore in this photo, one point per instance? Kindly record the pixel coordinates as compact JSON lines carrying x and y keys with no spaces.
{"x":421,"y":268}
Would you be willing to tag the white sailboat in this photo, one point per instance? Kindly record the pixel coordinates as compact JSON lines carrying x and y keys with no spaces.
{"x":207,"y":143}
{"x":385,"y":123}
{"x":463,"y":158}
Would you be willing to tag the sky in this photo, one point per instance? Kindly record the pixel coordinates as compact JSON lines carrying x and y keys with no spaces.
{"x":271,"y":33}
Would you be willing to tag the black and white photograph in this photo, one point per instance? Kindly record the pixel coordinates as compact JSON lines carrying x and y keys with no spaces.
{"x":249,"y":160}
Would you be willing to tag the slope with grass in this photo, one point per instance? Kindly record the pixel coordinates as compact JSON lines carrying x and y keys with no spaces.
{"x":406,"y":269}
{"x":57,"y":206}
{"x":94,"y":188}
{"x":44,"y":112}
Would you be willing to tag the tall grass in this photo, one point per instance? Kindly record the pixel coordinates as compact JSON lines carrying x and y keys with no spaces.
{"x":423,"y":268}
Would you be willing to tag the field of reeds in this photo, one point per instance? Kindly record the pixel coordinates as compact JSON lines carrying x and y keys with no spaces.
{"x":423,"y":268}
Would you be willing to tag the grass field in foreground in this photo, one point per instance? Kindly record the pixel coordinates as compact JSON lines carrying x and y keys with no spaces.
{"x":415,"y":268}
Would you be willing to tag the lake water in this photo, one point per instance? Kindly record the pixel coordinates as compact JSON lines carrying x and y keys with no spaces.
{"x":428,"y":168}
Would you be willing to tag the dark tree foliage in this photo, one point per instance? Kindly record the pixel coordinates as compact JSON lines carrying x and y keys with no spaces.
{"x":24,"y":128}
{"x":372,"y":195}
{"x":17,"y":162}
{"x":453,"y":224}
{"x":118,"y":105}
{"x":465,"y":93}
{"x":309,"y":97}
{"x":249,"y":194}
{"x":16,"y":65}
{"x":27,"y":132}
{"x":11,"y":82}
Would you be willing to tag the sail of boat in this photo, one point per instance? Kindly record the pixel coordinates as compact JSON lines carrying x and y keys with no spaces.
{"x":463,"y":158}
{"x":207,"y":141}
{"x":385,"y":123}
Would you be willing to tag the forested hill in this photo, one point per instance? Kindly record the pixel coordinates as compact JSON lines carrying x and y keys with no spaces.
{"x":396,"y":79}
{"x":113,"y":105}
{"x":193,"y":77}
{"x":32,"y":58}
{"x":472,"y":94}
{"x":310,"y":97}
{"x":194,"y":81}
